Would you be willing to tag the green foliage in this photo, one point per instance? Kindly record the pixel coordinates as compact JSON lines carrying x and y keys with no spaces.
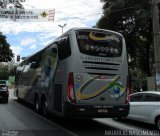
{"x":3,"y":72}
{"x":3,"y":75}
{"x":6,"y":70}
{"x":132,"y":18}
{"x":11,"y":4}
{"x":138,"y":78}
{"x":12,"y":71}
{"x":5,"y":51}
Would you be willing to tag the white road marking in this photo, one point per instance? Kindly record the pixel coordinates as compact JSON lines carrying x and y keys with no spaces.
{"x":116,"y":124}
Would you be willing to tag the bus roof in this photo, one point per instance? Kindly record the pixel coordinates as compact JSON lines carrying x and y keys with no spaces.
{"x":88,"y":28}
{"x":72,"y":29}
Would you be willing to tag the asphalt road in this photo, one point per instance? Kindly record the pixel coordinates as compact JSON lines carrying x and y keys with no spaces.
{"x":20,"y":119}
{"x":14,"y":116}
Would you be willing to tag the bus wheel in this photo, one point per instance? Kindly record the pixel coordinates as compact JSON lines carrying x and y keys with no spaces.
{"x":44,"y":107}
{"x":17,"y":95}
{"x":37,"y":104}
{"x":158,"y":123}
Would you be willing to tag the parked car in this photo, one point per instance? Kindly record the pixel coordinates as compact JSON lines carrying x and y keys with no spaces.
{"x":4,"y":94}
{"x":145,"y":107}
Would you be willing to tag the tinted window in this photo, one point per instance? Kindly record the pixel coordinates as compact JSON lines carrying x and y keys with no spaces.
{"x":64,"y":49}
{"x":136,"y":98}
{"x":152,"y":98}
{"x":34,"y":62}
{"x":99,"y":44}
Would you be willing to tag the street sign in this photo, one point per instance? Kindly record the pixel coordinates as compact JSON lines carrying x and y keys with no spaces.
{"x":27,"y":15}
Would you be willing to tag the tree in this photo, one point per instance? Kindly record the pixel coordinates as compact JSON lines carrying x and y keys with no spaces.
{"x":132,"y":18}
{"x":5,"y":51}
{"x":3,"y":72}
{"x":11,"y":4}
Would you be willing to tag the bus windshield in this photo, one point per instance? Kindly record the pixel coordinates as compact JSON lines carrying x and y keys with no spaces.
{"x":99,"y":44}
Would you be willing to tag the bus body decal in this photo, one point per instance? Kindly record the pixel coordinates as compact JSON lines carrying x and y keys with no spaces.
{"x":117,"y":87}
{"x":96,"y":38}
{"x":109,"y":37}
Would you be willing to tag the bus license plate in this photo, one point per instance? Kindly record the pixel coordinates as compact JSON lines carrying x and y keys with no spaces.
{"x":102,"y":111}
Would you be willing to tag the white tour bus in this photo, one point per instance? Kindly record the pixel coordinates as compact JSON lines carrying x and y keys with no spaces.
{"x":83,"y":73}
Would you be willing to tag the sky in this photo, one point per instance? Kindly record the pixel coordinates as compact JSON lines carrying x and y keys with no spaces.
{"x":27,"y":38}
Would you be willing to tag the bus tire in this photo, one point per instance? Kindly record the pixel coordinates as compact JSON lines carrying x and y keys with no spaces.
{"x":44,"y":107}
{"x":17,"y":95}
{"x":157,"y":122}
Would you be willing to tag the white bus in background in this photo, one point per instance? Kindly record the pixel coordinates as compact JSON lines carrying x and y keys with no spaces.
{"x":83,"y":73}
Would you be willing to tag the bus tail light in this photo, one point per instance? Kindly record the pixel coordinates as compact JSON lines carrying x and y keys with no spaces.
{"x":128,"y":92}
{"x":70,"y":89}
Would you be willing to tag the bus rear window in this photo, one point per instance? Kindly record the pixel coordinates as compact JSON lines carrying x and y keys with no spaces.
{"x":99,"y":44}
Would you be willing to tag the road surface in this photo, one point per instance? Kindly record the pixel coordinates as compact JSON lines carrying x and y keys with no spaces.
{"x":20,"y":119}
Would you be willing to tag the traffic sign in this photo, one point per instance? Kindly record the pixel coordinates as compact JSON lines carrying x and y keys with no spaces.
{"x":27,"y":15}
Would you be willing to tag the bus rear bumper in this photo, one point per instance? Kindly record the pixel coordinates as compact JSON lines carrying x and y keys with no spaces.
{"x":99,"y":111}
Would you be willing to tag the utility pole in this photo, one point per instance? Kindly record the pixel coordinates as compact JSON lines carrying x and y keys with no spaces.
{"x":156,"y":37}
{"x":62,"y":26}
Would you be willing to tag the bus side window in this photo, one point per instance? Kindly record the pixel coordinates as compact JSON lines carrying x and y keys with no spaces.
{"x":35,"y":61}
{"x":64,"y":49}
{"x":34,"y":65}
